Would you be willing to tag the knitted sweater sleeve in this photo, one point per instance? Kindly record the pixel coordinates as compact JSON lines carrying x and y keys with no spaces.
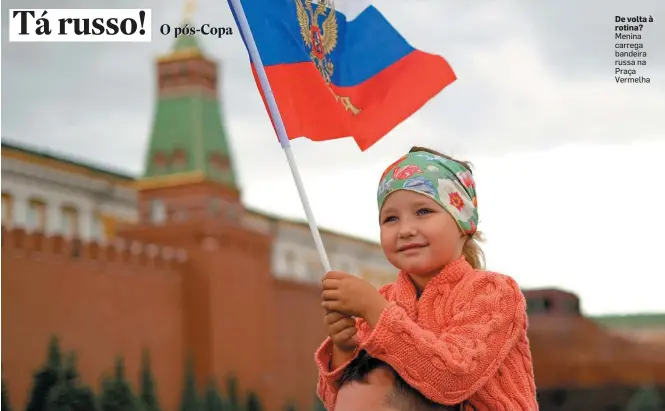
{"x":327,"y":386}
{"x":477,"y":331}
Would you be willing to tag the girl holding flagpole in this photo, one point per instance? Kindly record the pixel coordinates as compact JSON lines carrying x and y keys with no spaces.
{"x":450,"y":329}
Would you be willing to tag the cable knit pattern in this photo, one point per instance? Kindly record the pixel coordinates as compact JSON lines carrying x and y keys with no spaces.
{"x":465,"y":338}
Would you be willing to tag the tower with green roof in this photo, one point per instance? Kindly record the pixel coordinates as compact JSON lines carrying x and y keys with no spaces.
{"x":188,"y":133}
{"x":188,"y":142}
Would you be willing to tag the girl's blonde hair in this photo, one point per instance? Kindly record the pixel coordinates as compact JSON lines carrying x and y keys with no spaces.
{"x":471,"y":251}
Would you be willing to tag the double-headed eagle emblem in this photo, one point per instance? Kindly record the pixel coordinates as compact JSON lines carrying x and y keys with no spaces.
{"x":321,"y":40}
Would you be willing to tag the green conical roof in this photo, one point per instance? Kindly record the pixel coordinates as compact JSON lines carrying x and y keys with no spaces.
{"x":192,"y":123}
{"x":186,"y":42}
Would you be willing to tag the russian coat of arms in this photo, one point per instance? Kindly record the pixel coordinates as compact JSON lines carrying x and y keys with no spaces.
{"x":321,"y":39}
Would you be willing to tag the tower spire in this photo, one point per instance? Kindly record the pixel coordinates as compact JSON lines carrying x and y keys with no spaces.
{"x":188,"y":136}
{"x":190,"y":8}
{"x":186,"y":43}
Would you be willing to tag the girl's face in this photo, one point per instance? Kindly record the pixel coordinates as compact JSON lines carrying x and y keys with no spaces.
{"x":417,"y":235}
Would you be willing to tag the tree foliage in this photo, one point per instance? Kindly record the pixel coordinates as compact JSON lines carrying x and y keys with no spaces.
{"x":69,"y":394}
{"x":253,"y":402}
{"x":232,"y":395}
{"x":190,"y":398}
{"x":117,"y":394}
{"x":148,"y":388}
{"x":5,"y":405}
{"x":212,"y":399}
{"x":46,"y":377}
{"x":646,"y":399}
{"x":57,"y":387}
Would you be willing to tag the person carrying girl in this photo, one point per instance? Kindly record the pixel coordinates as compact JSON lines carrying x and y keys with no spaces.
{"x":452,"y":331}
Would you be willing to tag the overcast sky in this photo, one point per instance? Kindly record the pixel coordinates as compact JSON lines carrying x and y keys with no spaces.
{"x":569,"y":164}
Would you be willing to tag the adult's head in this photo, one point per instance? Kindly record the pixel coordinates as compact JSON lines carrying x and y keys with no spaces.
{"x":371,"y":384}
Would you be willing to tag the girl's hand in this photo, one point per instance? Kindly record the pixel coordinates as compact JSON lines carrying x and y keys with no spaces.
{"x":352,"y":296}
{"x":342,"y":330}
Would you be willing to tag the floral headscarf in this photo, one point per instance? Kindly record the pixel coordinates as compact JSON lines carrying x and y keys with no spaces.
{"x":445,"y":181}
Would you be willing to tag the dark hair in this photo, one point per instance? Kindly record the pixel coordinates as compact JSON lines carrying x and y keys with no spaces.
{"x":403,"y":397}
{"x":472,"y":252}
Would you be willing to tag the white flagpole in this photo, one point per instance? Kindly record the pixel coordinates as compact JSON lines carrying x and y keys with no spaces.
{"x":281,"y":130}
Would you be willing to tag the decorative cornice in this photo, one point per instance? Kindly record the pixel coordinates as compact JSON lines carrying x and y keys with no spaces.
{"x":63,"y":166}
{"x":186,"y":54}
{"x":189,"y":90}
{"x":131,"y":253}
{"x":171,"y":180}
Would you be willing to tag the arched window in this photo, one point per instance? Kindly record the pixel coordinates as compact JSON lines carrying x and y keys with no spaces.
{"x":97,"y":227}
{"x":345,"y":263}
{"x":218,"y":162}
{"x":179,"y":159}
{"x":290,"y":259}
{"x":294,"y":264}
{"x":160,"y":161}
{"x":157,"y":211}
{"x":69,"y":221}
{"x":36,"y":215}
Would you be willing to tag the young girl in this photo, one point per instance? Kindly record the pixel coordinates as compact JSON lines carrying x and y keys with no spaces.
{"x":452,"y":331}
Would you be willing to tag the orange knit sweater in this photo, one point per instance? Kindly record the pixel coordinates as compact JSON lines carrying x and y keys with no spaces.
{"x":464,"y":338}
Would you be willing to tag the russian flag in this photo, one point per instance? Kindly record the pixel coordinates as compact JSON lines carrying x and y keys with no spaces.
{"x":340,"y":69}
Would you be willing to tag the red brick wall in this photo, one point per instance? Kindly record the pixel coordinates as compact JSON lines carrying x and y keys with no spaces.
{"x":224,"y":305}
{"x":239,"y":319}
{"x":101,"y":304}
{"x":237,"y":289}
{"x":300,"y":323}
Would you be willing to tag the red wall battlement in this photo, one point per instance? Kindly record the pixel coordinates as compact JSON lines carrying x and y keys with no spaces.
{"x":101,"y":300}
{"x":131,"y":254}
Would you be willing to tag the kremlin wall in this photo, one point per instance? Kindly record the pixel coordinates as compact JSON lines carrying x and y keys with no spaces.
{"x":173,"y":263}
